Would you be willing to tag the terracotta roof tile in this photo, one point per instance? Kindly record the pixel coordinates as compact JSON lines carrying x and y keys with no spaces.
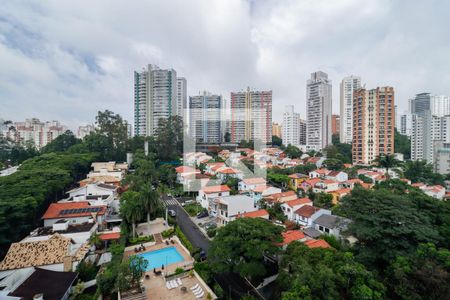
{"x":317,"y":244}
{"x":55,"y":209}
{"x":215,"y":189}
{"x":307,"y":211}
{"x":291,"y":236}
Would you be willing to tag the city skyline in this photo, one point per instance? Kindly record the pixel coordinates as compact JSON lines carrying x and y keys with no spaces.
{"x":92,"y":68}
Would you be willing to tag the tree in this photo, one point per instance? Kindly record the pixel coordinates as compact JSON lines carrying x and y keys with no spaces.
{"x":62,"y":143}
{"x":137,"y":265}
{"x":169,"y":138}
{"x":131,"y":209}
{"x":292,"y":151}
{"x":150,"y":200}
{"x":114,"y":129}
{"x":325,"y":274}
{"x":388,"y":224}
{"x":333,"y":164}
{"x":402,"y":144}
{"x":387,"y":161}
{"x":241,"y":245}
{"x":421,"y":171}
{"x":276,"y":141}
{"x":227,"y":137}
{"x":323,"y":200}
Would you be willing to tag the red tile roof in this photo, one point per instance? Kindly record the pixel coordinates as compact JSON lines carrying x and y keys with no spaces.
{"x":317,"y":244}
{"x":185,"y":169}
{"x":342,"y":191}
{"x":216,"y":189}
{"x":306,"y":211}
{"x":298,"y":201}
{"x":254,"y":214}
{"x":110,"y":236}
{"x":55,"y":209}
{"x":257,"y":180}
{"x":291,"y":236}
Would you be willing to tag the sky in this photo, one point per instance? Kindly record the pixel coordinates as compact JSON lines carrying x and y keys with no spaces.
{"x":65,"y":61}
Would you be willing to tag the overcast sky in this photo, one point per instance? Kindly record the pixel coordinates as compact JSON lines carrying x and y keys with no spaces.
{"x":66,"y":61}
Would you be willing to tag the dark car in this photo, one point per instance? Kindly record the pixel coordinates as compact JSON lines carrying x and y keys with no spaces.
{"x":202,"y":214}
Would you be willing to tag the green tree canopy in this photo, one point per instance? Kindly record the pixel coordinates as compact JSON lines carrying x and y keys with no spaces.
{"x":402,"y":144}
{"x":62,"y":143}
{"x":421,"y":171}
{"x":240,"y":246}
{"x":293,"y":151}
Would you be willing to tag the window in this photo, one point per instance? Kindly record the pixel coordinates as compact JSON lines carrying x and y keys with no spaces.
{"x":327,"y":230}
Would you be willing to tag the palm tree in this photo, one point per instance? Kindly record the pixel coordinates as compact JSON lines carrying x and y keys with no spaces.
{"x":387,"y":161}
{"x":150,"y":200}
{"x":131,"y":209}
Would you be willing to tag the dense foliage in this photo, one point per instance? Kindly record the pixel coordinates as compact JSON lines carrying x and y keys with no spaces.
{"x":402,"y":144}
{"x":421,"y":171}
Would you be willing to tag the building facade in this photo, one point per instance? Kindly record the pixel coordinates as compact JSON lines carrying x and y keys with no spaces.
{"x":181,"y":95}
{"x":205,"y":118}
{"x":441,"y":161}
{"x":335,"y":124}
{"x":276,"y":130}
{"x":251,"y":116}
{"x":85,"y":130}
{"x":347,"y":86}
{"x":373,"y":124}
{"x":291,"y":126}
{"x":34,"y":131}
{"x":319,"y":104}
{"x":406,"y":124}
{"x":155,"y":98}
{"x":302,"y":132}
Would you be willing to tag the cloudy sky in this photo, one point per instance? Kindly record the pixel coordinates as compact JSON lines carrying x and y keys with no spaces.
{"x":66,"y":60}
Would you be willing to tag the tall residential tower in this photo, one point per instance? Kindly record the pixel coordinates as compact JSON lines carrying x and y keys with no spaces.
{"x":318,"y":97}
{"x":348,"y":85}
{"x":205,"y":121}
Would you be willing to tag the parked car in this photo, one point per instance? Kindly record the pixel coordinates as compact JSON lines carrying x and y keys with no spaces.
{"x":187,"y":202}
{"x":172,"y":213}
{"x":202,"y":214}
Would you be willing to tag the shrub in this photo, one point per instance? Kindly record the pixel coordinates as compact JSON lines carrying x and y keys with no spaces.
{"x":179,"y":271}
{"x":211,"y":232}
{"x":168,"y":233}
{"x":140,"y":240}
{"x":184,"y":239}
{"x":86,"y":271}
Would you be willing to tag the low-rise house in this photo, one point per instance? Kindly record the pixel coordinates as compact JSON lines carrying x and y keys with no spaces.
{"x":111,"y":180}
{"x":319,"y":173}
{"x":307,"y":214}
{"x":29,"y":284}
{"x":58,"y":253}
{"x":331,"y":224}
{"x":338,"y":176}
{"x":227,"y":208}
{"x":289,"y":207}
{"x":78,"y":233}
{"x":183,"y":172}
{"x":290,"y":236}
{"x":228,"y":172}
{"x":249,"y":184}
{"x":311,"y":233}
{"x":263,"y":191}
{"x":93,"y":189}
{"x":295,"y":180}
{"x":262,"y":213}
{"x":309,"y":184}
{"x":111,"y":168}
{"x":338,"y":194}
{"x":281,"y":197}
{"x":326,"y":186}
{"x":435,"y":191}
{"x":211,"y":168}
{"x":318,"y":161}
{"x":74,"y":213}
{"x":208,"y":193}
{"x":317,"y":244}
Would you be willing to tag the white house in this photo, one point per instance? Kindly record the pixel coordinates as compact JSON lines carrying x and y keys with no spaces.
{"x":326,"y":186}
{"x":227,"y":208}
{"x":228,"y":172}
{"x":249,"y":184}
{"x":330,"y":224}
{"x":319,"y":173}
{"x":289,"y":207}
{"x":307,"y":214}
{"x":78,"y":233}
{"x":183,"y":172}
{"x":337,"y":176}
{"x":208,"y":193}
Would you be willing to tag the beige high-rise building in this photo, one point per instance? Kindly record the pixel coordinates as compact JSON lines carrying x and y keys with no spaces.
{"x":276,"y":130}
{"x":335,"y":124}
{"x":373,"y":124}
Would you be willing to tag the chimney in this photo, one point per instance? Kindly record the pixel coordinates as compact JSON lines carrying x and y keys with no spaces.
{"x":67,"y":262}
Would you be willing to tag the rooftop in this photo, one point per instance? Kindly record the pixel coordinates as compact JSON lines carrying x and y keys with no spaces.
{"x":52,"y":284}
{"x":291,"y":236}
{"x":75,"y":228}
{"x":216,"y":189}
{"x":331,"y":221}
{"x":255,"y":214}
{"x":72,"y":210}
{"x":307,"y":211}
{"x":298,"y":201}
{"x":317,"y":244}
{"x":257,"y":180}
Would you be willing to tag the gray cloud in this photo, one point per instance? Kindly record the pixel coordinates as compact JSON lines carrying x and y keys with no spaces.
{"x":65,"y":61}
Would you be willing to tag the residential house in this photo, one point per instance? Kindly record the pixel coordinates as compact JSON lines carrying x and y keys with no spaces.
{"x":338,"y":194}
{"x":318,"y":161}
{"x":227,"y":208}
{"x":281,"y":197}
{"x":263,"y":191}
{"x":228,"y":172}
{"x":249,"y":184}
{"x":113,"y":169}
{"x":319,"y":173}
{"x":78,"y":233}
{"x":211,"y":168}
{"x":262,"y":213}
{"x":331,"y":224}
{"x":326,"y":186}
{"x":74,"y":212}
{"x":295,"y":180}
{"x":208,"y":193}
{"x":58,"y":253}
{"x":290,"y":236}
{"x":338,"y":176}
{"x":307,"y":214}
{"x":317,"y":244}
{"x":309,"y":184}
{"x":183,"y":172}
{"x":289,"y":207}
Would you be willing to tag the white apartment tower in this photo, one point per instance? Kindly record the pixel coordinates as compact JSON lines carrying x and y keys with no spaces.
{"x":347,"y":86}
{"x":291,"y":126}
{"x":181,"y":95}
{"x":251,"y":116}
{"x":319,"y":108}
{"x":205,"y":120}
{"x":155,"y":98}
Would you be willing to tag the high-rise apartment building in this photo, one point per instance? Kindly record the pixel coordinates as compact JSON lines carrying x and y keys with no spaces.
{"x":347,"y":86}
{"x":437,"y":105}
{"x":276,"y":130}
{"x":319,"y":104}
{"x":302,"y":132}
{"x":85,"y":130}
{"x":417,"y":137}
{"x":181,"y":95}
{"x":291,"y":126}
{"x":251,"y":116}
{"x":34,"y":131}
{"x":406,"y":124}
{"x":206,"y":118}
{"x":441,"y":160}
{"x":335,"y":124}
{"x":155,"y":98}
{"x":373,"y":124}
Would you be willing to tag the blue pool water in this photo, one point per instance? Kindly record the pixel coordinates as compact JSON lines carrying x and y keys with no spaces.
{"x":165,"y":256}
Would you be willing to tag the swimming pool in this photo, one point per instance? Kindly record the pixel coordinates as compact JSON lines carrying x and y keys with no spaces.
{"x":165,"y":256}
